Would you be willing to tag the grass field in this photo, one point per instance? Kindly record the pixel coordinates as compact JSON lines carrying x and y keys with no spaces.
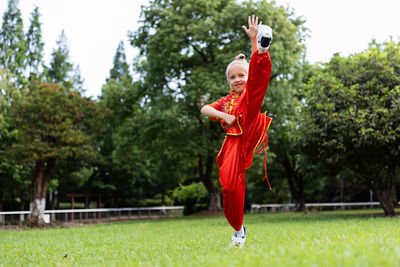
{"x":347,"y":238}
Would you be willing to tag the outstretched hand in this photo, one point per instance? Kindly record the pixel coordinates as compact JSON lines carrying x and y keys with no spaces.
{"x":252,"y":30}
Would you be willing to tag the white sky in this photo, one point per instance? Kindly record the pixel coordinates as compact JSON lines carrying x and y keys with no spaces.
{"x":94,"y":28}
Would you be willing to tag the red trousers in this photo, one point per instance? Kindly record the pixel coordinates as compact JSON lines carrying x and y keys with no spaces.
{"x":236,"y":153}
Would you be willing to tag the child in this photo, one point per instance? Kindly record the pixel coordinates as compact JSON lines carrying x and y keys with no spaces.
{"x":239,"y":115}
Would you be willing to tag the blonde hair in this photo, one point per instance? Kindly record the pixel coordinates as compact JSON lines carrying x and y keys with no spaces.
{"x":239,"y":60}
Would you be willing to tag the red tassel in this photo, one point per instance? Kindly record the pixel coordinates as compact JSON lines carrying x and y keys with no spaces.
{"x":264,"y":147}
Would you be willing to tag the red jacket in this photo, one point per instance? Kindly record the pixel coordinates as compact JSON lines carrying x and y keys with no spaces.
{"x":245,"y":106}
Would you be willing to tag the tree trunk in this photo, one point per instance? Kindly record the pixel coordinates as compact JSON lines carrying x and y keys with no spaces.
{"x":296,"y":184}
{"x":1,"y":205}
{"x":40,"y":180}
{"x":164,"y":212}
{"x":206,"y":177}
{"x":301,"y":203}
{"x":37,"y":207}
{"x":394,"y":193}
{"x":22,"y":207}
{"x":52,"y":205}
{"x":384,"y":192}
{"x":163,"y":197}
{"x":385,"y":198}
{"x":1,"y":199}
{"x":215,"y":201}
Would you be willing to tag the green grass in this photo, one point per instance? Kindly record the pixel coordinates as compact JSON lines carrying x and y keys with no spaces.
{"x":347,"y":238}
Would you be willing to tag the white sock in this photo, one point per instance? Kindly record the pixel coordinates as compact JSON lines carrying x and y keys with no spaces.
{"x":240,"y":233}
{"x":262,"y":50}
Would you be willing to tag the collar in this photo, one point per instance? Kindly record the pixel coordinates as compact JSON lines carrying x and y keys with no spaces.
{"x":235,"y":94}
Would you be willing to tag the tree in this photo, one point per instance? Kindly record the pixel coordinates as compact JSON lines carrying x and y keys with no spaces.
{"x":60,"y":70}
{"x":120,"y":70}
{"x":53,"y":124}
{"x":77,"y":80}
{"x":119,"y":99}
{"x":186,"y":46}
{"x":12,"y":43}
{"x":351,"y":118}
{"x":302,"y":175}
{"x":34,"y":48}
{"x":151,"y":145}
{"x":12,"y":173}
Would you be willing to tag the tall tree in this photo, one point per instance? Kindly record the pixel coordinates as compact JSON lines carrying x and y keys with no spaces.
{"x":12,"y":43}
{"x":60,"y":70}
{"x":34,"y":47}
{"x":351,"y":118}
{"x":54,"y":123}
{"x":120,"y":69}
{"x":150,"y":145}
{"x":11,"y":171}
{"x":78,"y":80}
{"x":116,"y":97}
{"x":187,"y":45}
{"x":300,"y":174}
{"x":6,"y":94}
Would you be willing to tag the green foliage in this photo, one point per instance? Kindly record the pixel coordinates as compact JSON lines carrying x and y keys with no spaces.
{"x":353,"y":107}
{"x":156,"y":200}
{"x":120,"y":70}
{"x":13,"y":43}
{"x":77,"y":80}
{"x":81,"y":176}
{"x":122,"y":166}
{"x":53,"y":122}
{"x":149,"y":145}
{"x":8,"y":93}
{"x":185,"y":47}
{"x":35,"y":145}
{"x":34,"y":47}
{"x":60,"y":70}
{"x":194,"y":197}
{"x":12,"y":173}
{"x":351,"y":117}
{"x":142,"y":151}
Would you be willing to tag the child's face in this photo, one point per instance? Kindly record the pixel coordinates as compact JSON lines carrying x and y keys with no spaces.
{"x":237,"y":77}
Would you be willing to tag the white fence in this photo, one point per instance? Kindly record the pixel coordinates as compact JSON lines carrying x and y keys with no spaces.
{"x":256,"y":208}
{"x":88,"y":215}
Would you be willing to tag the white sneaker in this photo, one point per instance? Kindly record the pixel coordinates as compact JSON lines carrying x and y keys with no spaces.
{"x":264,"y":36}
{"x":239,"y":238}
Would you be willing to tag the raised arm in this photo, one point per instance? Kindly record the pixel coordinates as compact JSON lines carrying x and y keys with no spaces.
{"x":252,"y":31}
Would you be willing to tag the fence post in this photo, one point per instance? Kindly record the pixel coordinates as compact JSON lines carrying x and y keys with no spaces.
{"x":21,"y":219}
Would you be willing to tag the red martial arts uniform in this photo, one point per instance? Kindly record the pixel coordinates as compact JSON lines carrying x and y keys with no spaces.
{"x":243,"y":137}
